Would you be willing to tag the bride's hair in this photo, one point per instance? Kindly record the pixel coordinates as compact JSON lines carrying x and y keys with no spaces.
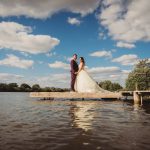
{"x":82,"y":60}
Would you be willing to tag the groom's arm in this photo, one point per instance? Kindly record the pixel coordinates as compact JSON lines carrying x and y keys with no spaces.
{"x":72,"y":66}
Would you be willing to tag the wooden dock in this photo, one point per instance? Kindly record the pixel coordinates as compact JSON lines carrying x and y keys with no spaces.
{"x":73,"y":95}
{"x":137,"y":95}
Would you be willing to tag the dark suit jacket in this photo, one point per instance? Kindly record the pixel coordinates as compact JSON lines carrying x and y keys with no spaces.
{"x":74,"y":66}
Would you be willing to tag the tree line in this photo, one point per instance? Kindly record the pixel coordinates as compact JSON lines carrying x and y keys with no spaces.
{"x":110,"y":86}
{"x":24,"y":87}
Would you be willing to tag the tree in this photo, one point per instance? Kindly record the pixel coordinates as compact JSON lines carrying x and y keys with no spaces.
{"x":46,"y":89}
{"x":25,"y":87}
{"x":36,"y":88}
{"x":116,"y":87}
{"x":13,"y":87}
{"x":139,"y":78}
{"x":3,"y":87}
{"x":108,"y":85}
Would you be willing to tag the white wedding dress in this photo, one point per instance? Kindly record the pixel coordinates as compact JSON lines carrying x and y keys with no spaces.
{"x":85,"y":83}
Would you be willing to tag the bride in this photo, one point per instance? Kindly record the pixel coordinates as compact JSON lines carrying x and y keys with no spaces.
{"x":84,"y":82}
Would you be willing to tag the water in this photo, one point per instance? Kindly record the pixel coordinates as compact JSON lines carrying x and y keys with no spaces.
{"x":31,"y":124}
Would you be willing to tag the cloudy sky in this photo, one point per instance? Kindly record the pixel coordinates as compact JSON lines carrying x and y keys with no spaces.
{"x":38,"y":38}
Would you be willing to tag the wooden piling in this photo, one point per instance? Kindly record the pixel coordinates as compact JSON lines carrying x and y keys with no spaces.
{"x":136,"y":97}
{"x":141,"y":100}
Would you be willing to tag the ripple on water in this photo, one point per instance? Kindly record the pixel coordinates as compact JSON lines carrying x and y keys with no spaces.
{"x":29,"y":124}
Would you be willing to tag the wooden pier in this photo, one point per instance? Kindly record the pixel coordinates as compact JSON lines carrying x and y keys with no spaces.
{"x":137,"y":95}
{"x":73,"y":95}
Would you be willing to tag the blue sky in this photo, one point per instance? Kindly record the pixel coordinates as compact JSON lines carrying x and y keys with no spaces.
{"x":38,"y":39}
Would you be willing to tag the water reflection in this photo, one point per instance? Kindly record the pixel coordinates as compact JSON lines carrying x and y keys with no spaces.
{"x":136,"y":107}
{"x":82,"y":114}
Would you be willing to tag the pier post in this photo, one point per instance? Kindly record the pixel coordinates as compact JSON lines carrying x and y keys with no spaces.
{"x":136,"y":97}
{"x":141,"y":100}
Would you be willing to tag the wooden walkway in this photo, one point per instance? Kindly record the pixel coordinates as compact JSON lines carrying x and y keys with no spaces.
{"x":137,"y":95}
{"x":72,"y":95}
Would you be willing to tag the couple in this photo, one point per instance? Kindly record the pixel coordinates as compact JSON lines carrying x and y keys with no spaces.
{"x":80,"y":80}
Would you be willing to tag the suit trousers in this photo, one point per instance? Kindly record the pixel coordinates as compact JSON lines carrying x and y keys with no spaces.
{"x":73,"y":79}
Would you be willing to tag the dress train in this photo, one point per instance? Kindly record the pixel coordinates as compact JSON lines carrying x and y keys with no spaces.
{"x":85,"y":83}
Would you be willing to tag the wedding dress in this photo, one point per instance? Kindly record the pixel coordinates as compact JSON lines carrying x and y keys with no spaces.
{"x":85,"y":83}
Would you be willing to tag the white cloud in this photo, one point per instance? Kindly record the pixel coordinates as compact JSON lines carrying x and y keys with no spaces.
{"x":51,"y":54}
{"x":126,"y":71}
{"x":104,"y":70}
{"x":102,"y":36}
{"x":101,"y":54}
{"x":9,"y":78}
{"x":115,"y":74}
{"x":15,"y":61}
{"x":127,"y":20}
{"x":18,"y":37}
{"x":130,"y":59}
{"x":25,"y":54}
{"x":31,"y":8}
{"x":126,"y":45}
{"x":54,"y":80}
{"x":74,"y":21}
{"x":59,"y":64}
{"x":68,"y":58}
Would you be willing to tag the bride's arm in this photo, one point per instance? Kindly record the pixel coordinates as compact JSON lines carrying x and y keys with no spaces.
{"x":80,"y":67}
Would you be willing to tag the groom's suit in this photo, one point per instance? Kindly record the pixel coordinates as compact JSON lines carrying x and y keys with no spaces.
{"x":74,"y":68}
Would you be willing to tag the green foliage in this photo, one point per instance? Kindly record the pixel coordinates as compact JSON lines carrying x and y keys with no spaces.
{"x":108,"y":85}
{"x":116,"y":87}
{"x":25,"y":87}
{"x":13,"y":87}
{"x":36,"y":88}
{"x":3,"y":87}
{"x":46,"y":89}
{"x":139,"y":78}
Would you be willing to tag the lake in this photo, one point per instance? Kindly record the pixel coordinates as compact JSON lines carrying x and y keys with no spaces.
{"x":33,"y":124}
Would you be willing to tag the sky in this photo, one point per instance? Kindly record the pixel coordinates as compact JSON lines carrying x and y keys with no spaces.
{"x":38,"y":39}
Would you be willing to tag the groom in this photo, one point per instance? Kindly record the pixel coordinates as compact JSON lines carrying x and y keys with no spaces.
{"x":74,"y":69}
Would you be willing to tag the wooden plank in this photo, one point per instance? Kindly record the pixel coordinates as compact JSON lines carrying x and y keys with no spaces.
{"x":75,"y":95}
{"x":144,"y":92}
{"x":130,"y":93}
{"x":127,"y":93}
